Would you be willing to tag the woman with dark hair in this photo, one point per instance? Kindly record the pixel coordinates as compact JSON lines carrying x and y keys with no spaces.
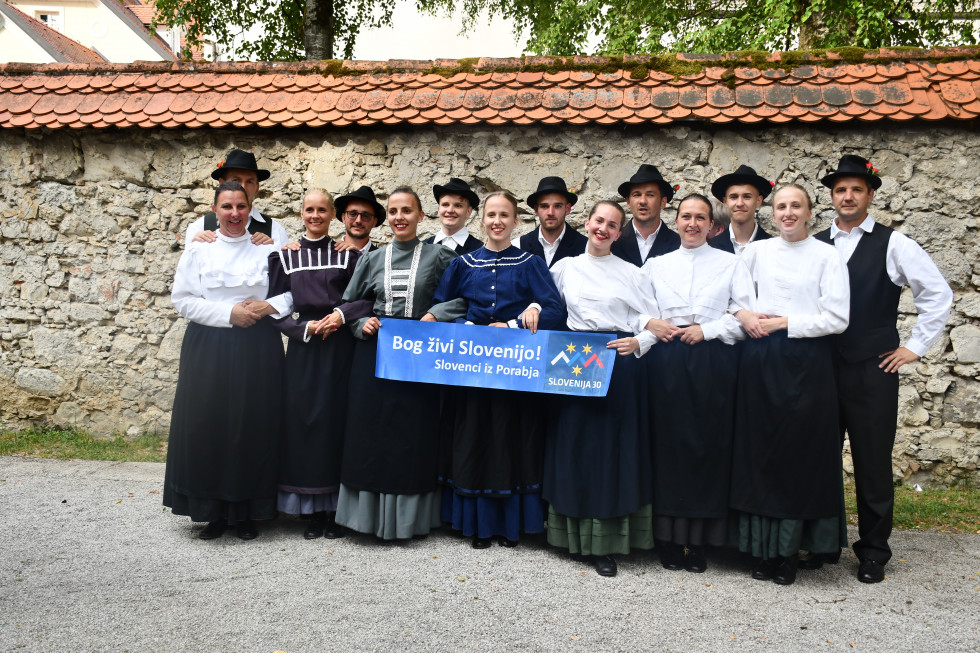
{"x":221,"y":459}
{"x":692,"y":378}
{"x":787,"y":486}
{"x":492,"y":467}
{"x":597,"y":450}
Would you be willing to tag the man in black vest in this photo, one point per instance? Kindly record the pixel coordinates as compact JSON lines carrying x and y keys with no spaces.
{"x":552,"y":240}
{"x":456,"y":204}
{"x":742,"y":192}
{"x":880,"y":261}
{"x":646,"y":236}
{"x":240,"y":166}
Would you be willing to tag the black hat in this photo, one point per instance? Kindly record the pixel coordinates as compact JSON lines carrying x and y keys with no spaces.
{"x":239,"y":160}
{"x":551,"y":185}
{"x":744,"y":175}
{"x":456,"y":187}
{"x":364,"y":194}
{"x":644,"y":175}
{"x":852,"y":165}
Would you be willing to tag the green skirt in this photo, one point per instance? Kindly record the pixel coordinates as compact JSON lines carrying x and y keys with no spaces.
{"x":771,"y":537}
{"x":602,"y":536}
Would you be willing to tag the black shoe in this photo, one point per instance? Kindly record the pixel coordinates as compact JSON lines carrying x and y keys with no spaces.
{"x":510,"y":544}
{"x":246,"y":530}
{"x":817,"y":560}
{"x":331,"y":529}
{"x":765,"y":569}
{"x":695,"y":561}
{"x":671,"y":555}
{"x":315,"y":529}
{"x":482,"y":542}
{"x":785,"y":572}
{"x":871,"y":571}
{"x":213,"y":530}
{"x":604,"y":565}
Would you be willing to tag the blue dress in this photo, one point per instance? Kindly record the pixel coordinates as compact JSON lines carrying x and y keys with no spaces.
{"x":491,"y":455}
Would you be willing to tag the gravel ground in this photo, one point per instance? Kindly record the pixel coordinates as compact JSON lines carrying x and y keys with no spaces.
{"x":90,"y":560}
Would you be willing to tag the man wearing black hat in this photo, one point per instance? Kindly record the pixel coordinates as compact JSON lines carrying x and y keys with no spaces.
{"x":360,"y":212}
{"x":742,"y":192}
{"x":646,"y":236}
{"x":880,"y":261}
{"x":456,"y":204}
{"x":552,"y":240}
{"x":240,"y":166}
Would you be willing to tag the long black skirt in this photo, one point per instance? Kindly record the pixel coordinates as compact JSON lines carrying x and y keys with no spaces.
{"x":787,"y":458}
{"x":315,"y":404}
{"x":597,"y":462}
{"x":391,"y":444}
{"x":692,"y":396}
{"x":224,"y":429}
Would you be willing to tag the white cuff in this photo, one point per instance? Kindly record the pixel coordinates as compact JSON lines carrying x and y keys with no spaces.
{"x":343,"y":318}
{"x":306,"y":331}
{"x":513,"y":324}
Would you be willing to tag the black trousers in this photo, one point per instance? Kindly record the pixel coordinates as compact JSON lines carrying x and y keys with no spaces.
{"x":868,"y":402}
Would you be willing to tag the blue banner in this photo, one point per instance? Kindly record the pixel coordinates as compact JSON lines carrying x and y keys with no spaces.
{"x":557,"y":362}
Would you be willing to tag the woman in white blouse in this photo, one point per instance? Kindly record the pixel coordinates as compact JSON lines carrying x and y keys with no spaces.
{"x":692,"y":377}
{"x":597,"y":450}
{"x":221,"y":460}
{"x":786,"y":480}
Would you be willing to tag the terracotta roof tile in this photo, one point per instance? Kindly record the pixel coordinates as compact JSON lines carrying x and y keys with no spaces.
{"x":693,"y":97}
{"x":425,"y":99}
{"x":721,"y":96}
{"x":960,"y":92}
{"x":529,"y":98}
{"x":556,"y":99}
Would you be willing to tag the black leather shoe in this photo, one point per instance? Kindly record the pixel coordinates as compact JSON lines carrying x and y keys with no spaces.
{"x":604,"y":565}
{"x":510,"y":544}
{"x":213,"y":530}
{"x":246,"y":530}
{"x":331,"y":529}
{"x":671,"y":555}
{"x":817,"y":560}
{"x":871,"y":571}
{"x":315,"y":529}
{"x":482,"y":542}
{"x":694,"y":561}
{"x":785,"y":571}
{"x":765,"y":569}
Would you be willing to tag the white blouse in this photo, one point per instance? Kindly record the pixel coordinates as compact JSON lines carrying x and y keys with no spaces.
{"x":212,"y":277}
{"x":804,"y":281}
{"x":605,"y":293}
{"x":703,"y":286}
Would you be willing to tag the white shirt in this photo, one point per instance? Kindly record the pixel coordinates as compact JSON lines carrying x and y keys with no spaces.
{"x":805,"y":282}
{"x":739,"y":247}
{"x":212,"y":277}
{"x":454,"y":240}
{"x":907,"y":263}
{"x":646,"y":244}
{"x":549,"y":249}
{"x":604,"y":293}
{"x":703,"y":286}
{"x":279,"y":235}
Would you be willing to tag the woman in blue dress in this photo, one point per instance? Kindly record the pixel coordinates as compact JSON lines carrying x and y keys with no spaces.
{"x":492,"y":473}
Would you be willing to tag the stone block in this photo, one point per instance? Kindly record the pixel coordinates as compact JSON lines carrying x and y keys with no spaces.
{"x":966,"y":343}
{"x":56,"y":347}
{"x":962,"y":403}
{"x":40,"y":381}
{"x":86,"y":313}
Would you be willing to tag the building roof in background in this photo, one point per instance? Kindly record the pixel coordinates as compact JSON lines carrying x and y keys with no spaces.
{"x":128,"y":16}
{"x":57,"y":45}
{"x":835,"y":86}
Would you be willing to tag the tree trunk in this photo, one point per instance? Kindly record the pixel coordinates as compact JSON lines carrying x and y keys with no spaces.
{"x":318,"y":29}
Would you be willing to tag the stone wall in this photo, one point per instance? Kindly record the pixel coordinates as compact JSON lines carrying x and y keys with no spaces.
{"x":92,"y":226}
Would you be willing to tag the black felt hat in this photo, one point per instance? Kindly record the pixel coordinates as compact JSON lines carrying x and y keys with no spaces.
{"x":363,"y":194}
{"x":457,"y":187}
{"x":239,"y":160}
{"x":744,"y":175}
{"x":551,"y":185}
{"x":646,"y":174}
{"x":851,"y":165}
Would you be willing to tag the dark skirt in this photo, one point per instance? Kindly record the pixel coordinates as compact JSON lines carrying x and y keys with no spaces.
{"x":597,"y":462}
{"x":601,"y":536}
{"x":486,"y":517}
{"x":221,"y":457}
{"x":692,"y":397}
{"x":315,"y":413}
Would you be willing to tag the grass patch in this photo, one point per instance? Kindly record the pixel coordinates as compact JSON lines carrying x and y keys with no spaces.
{"x":69,"y":443}
{"x":955,"y":510}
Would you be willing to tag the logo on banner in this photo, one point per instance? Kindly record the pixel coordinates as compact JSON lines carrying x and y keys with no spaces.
{"x":576,"y":362}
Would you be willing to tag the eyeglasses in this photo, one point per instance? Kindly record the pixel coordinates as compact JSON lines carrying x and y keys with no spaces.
{"x":354,"y":215}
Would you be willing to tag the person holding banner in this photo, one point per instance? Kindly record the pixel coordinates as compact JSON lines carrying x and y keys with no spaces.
{"x":388,"y":480}
{"x":492,"y":466}
{"x":787,"y":486}
{"x":597,"y":450}
{"x":692,"y":387}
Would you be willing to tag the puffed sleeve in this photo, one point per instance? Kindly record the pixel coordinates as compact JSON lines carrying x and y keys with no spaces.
{"x":834,"y":303}
{"x":445,"y":308}
{"x":545,"y":293}
{"x":279,"y":284}
{"x":188,"y":292}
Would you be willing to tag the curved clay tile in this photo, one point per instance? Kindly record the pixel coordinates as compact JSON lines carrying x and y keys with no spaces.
{"x":556,"y":99}
{"x":407,"y":113}
{"x":678,"y":113}
{"x":511,"y":114}
{"x":330,"y":116}
{"x":734,"y":111}
{"x":833,"y":72}
{"x":775,"y":74}
{"x":350,"y":101}
{"x":807,"y":95}
{"x":275,"y":102}
{"x":636,"y":97}
{"x":692,"y":98}
{"x":372,"y":100}
{"x":840,"y":117}
{"x":609,"y":98}
{"x":747,"y":73}
{"x":529,"y":78}
{"x":720,"y":96}
{"x":205,"y":102}
{"x":502,"y":98}
{"x":865,"y":93}
{"x":425,"y":99}
{"x":325,"y":101}
{"x":399,"y":100}
{"x":706,"y":112}
{"x":476,"y":98}
{"x":855,"y":110}
{"x":434,"y":113}
{"x":48,"y":102}
{"x":46,"y":119}
{"x":91,"y":119}
{"x":558,"y":77}
{"x":959,"y":92}
{"x":23,"y":120}
{"x":208,"y":117}
{"x":450,"y":98}
{"x":114,"y":103}
{"x":258,"y":80}
{"x":620,"y":113}
{"x":804,"y":72}
{"x":33,"y":82}
{"x":884,"y":109}
{"x":356,"y":115}
{"x":582,"y":98}
{"x":306,"y":116}
{"x":90,"y":103}
{"x":538,"y":114}
{"x":230,"y":101}
{"x":255,"y":117}
{"x":748,"y":95}
{"x":664,"y":98}
{"x":823,"y":110}
{"x":580,"y":76}
{"x":56,"y":82}
{"x":158,"y":119}
{"x":649,"y":113}
{"x":529,"y":98}
{"x":779,"y":96}
{"x":837,"y":94}
{"x":793,"y":111}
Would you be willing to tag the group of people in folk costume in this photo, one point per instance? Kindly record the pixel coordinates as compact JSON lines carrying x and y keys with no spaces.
{"x":744,"y":358}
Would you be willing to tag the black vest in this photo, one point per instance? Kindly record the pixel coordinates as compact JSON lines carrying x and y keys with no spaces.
{"x":874,"y":299}
{"x":254,"y":226}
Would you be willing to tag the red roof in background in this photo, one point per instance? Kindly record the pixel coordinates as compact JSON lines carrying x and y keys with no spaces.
{"x":60,"y":47}
{"x":898,"y":86}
